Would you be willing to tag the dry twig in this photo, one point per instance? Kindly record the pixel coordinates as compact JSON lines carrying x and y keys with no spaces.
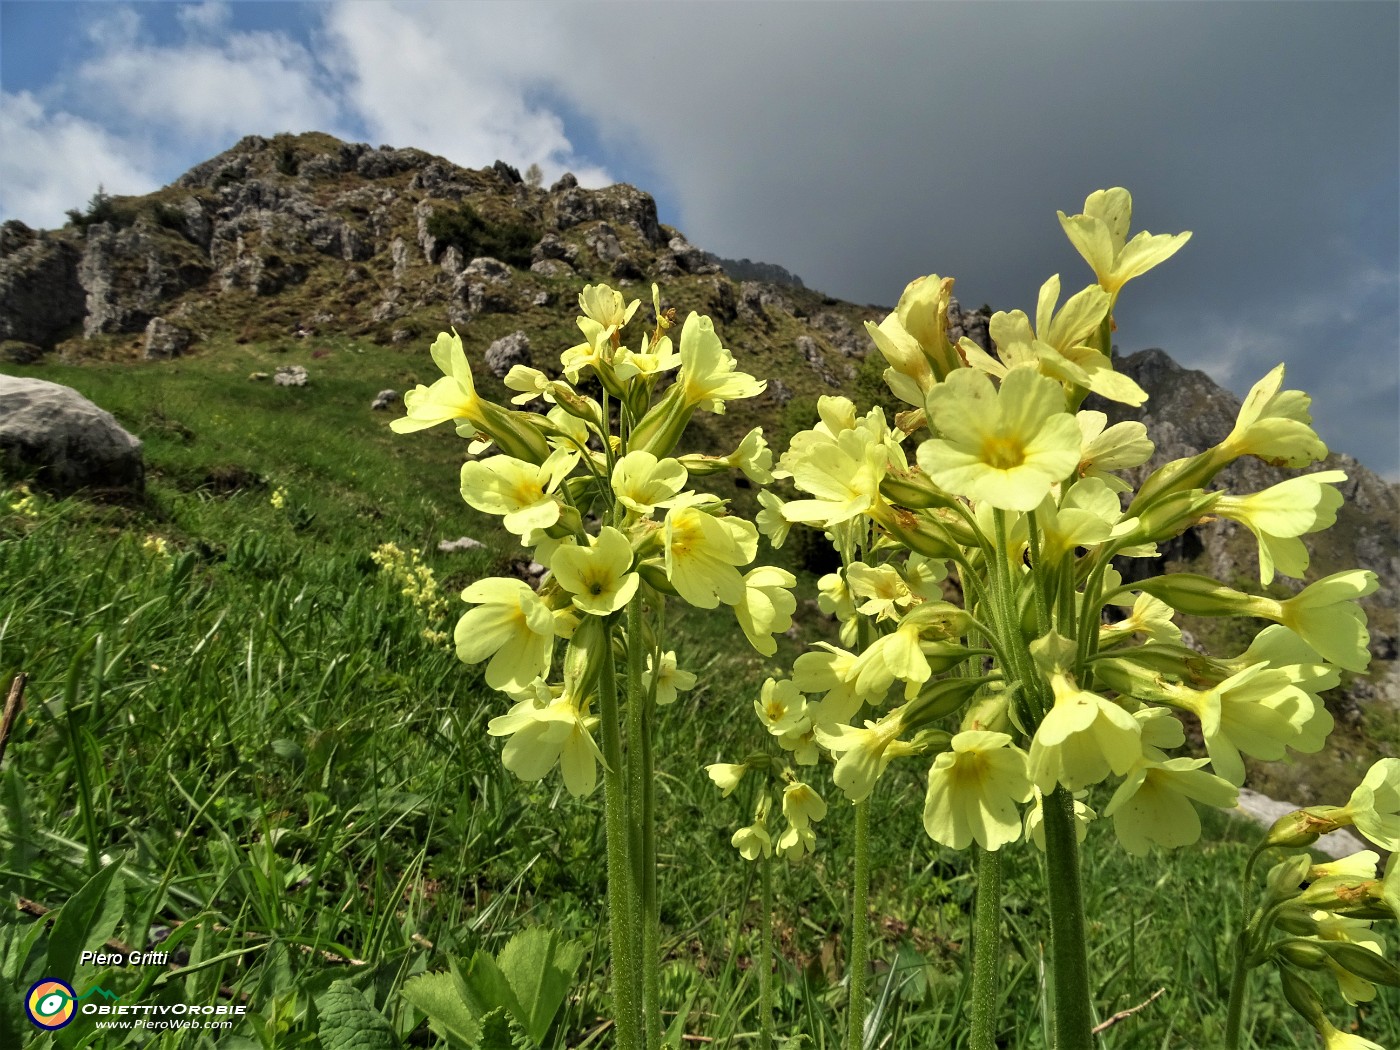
{"x":1122,"y":1015}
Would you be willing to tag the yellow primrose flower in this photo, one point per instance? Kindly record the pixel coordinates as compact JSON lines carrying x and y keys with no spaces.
{"x":767,"y":606}
{"x":864,"y":753}
{"x":531,"y":383}
{"x":782,"y":708}
{"x":642,"y":482}
{"x":1003,"y":447}
{"x":1035,"y":820}
{"x":1056,"y":346}
{"x":844,"y":473}
{"x":1153,"y":804}
{"x":599,"y":576}
{"x":545,"y":732}
{"x":726,"y":776}
{"x":1374,"y":806}
{"x":519,"y":491}
{"x":702,"y":552}
{"x":1274,"y":425}
{"x":594,"y":352}
{"x":1257,"y":711}
{"x":669,"y":679}
{"x":1118,"y":447}
{"x":1082,"y":738}
{"x":1280,"y":514}
{"x":511,"y":626}
{"x":974,"y":791}
{"x":1084,"y":517}
{"x":605,"y":306}
{"x":802,"y":805}
{"x":753,"y":457}
{"x":827,"y":670}
{"x":651,"y":358}
{"x":707,"y":377}
{"x":914,"y":339}
{"x":1326,"y":616}
{"x":1334,"y":1039}
{"x":897,"y":655}
{"x":771,"y":521}
{"x":453,"y":396}
{"x":1100,"y":234}
{"x":1150,"y":617}
{"x":883,"y":588}
{"x":753,"y":841}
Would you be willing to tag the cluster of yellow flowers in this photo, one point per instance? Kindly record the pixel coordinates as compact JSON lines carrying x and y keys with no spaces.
{"x":417,"y":582}
{"x":550,"y":470}
{"x":22,"y":501}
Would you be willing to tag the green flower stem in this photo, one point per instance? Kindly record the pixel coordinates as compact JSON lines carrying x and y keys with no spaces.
{"x":860,"y":929}
{"x":641,"y":812}
{"x":1073,"y":1017}
{"x":766,"y":1039}
{"x":1042,"y":602}
{"x":627,"y":1015}
{"x":986,"y":950}
{"x":1239,"y":981}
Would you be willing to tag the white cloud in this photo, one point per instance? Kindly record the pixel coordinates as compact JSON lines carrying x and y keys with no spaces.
{"x":207,"y":17}
{"x":55,"y":161}
{"x":458,"y":80}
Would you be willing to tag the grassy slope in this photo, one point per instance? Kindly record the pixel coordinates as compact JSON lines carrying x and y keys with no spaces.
{"x":265,"y":735}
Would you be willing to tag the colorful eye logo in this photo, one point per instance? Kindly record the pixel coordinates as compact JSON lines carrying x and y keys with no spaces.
{"x":49,"y":1003}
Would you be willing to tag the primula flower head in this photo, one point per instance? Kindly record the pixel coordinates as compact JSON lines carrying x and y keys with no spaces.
{"x":670,"y":678}
{"x":605,"y":305}
{"x":1081,"y":739}
{"x":1280,"y":514}
{"x":974,"y":791}
{"x":1374,"y":807}
{"x":522,"y":493}
{"x":707,"y":377}
{"x":864,"y":753}
{"x":642,"y":482}
{"x":767,"y":606}
{"x":702,"y":552}
{"x":544,"y":733}
{"x":1153,"y":804}
{"x":453,"y":396}
{"x":512,"y":627}
{"x":1100,"y":234}
{"x":1118,"y":447}
{"x":599,"y":576}
{"x":753,"y":841}
{"x":1003,"y":447}
{"x":1274,"y":425}
{"x":914,"y":339}
{"x":1325,"y":615}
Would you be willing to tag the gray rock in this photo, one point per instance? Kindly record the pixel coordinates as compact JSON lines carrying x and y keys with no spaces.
{"x":290,"y":375}
{"x":969,"y":323}
{"x":164,"y":339}
{"x":507,"y":352}
{"x":462,"y":543}
{"x":812,"y":354}
{"x":41,"y":297}
{"x":66,"y":441}
{"x":552,"y":246}
{"x":565,"y":182}
{"x":17,"y":352}
{"x":385,"y":400}
{"x":603,"y":242}
{"x":552,"y":268}
{"x":690,"y":258}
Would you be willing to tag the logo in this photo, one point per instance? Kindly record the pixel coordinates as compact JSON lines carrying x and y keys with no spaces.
{"x":50,"y":1003}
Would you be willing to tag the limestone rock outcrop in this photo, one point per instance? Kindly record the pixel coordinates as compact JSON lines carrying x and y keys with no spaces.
{"x":65,"y":442}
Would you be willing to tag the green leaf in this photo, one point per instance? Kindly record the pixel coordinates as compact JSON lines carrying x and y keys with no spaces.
{"x":487,"y":989}
{"x":540,"y":967}
{"x":443,"y":998}
{"x":349,"y":1022}
{"x":86,"y":921}
{"x":497,"y":1032}
{"x":16,"y":943}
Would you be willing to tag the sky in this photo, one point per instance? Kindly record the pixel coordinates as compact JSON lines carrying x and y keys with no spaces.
{"x":859,"y":144}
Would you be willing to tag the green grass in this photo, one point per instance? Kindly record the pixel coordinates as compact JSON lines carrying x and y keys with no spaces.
{"x":299,"y":785}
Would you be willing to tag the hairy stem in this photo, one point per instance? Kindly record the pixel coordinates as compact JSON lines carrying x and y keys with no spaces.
{"x":1070,"y":976}
{"x":860,"y":928}
{"x":986,"y":950}
{"x":766,"y":1040}
{"x":627,"y":1015}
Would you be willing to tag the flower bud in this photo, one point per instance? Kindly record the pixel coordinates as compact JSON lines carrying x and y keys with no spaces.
{"x":914,"y":490}
{"x":938,"y":699}
{"x":1302,"y":998}
{"x":515,"y":433}
{"x":1300,"y":828}
{"x":1197,"y":595}
{"x":923,"y":533}
{"x":660,"y":429}
{"x":1166,"y":517}
{"x":574,"y":403}
{"x":1286,"y":878}
{"x":1306,"y":955}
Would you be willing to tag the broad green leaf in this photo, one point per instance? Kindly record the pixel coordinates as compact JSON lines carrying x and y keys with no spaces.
{"x":16,"y":943}
{"x":444,"y":999}
{"x":86,"y":921}
{"x":487,"y":989}
{"x":348,"y":1022}
{"x":540,"y":969}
